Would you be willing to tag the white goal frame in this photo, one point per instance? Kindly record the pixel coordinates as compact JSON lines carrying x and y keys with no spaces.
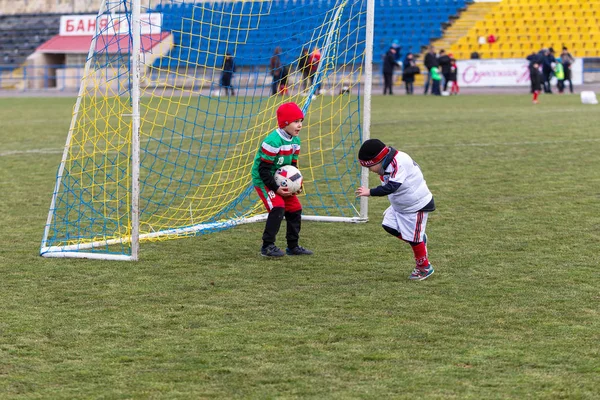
{"x":75,"y":251}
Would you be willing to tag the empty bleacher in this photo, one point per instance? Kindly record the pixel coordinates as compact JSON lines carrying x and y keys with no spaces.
{"x":526,"y":26}
{"x":20,"y":35}
{"x":414,"y":23}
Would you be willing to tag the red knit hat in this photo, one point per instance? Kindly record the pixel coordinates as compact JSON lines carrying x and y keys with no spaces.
{"x":287,"y":113}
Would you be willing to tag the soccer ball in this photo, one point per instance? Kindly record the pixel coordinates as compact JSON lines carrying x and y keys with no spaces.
{"x":289,"y":177}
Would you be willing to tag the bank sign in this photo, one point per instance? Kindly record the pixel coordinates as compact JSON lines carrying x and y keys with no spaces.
{"x":504,"y":72}
{"x":117,"y":24}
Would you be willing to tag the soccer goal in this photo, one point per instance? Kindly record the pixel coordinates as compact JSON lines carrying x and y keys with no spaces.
{"x":176,"y":99}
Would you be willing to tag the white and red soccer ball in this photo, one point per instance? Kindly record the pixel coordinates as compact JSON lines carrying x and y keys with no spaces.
{"x":289,"y":177}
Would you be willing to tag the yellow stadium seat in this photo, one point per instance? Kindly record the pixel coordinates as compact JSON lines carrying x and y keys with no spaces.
{"x":524,"y":26}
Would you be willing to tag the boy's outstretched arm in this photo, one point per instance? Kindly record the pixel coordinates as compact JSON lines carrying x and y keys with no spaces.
{"x":383,"y":190}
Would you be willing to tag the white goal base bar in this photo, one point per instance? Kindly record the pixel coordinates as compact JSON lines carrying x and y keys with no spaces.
{"x":73,"y":251}
{"x":91,"y":256}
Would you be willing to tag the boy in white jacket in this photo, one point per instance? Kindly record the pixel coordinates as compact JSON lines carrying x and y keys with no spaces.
{"x":410,"y":198}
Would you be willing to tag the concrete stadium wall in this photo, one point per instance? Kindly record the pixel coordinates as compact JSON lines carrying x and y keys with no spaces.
{"x":47,"y":6}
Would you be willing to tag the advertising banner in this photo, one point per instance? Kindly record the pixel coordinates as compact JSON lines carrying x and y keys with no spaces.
{"x":504,"y":72}
{"x":118,"y":24}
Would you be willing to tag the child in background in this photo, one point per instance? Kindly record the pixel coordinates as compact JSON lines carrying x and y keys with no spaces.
{"x":454,"y":89}
{"x":410,"y":198}
{"x":436,"y":80}
{"x":559,"y":72}
{"x":535,"y":75}
{"x":281,"y":147}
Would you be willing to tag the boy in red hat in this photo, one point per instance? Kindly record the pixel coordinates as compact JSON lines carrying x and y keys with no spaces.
{"x":281,"y":147}
{"x":410,"y":198}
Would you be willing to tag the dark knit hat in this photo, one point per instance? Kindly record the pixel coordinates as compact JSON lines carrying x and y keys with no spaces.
{"x":287,"y":113}
{"x":372,"y":152}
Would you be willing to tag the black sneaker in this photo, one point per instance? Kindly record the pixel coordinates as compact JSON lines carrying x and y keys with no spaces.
{"x":298,"y":251}
{"x":271,"y":251}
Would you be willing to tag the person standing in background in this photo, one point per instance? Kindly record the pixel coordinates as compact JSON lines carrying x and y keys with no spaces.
{"x":304,"y":68}
{"x":430,"y":61}
{"x":409,"y":72}
{"x":444,"y":64}
{"x":436,"y":80}
{"x":453,"y":76}
{"x":547,"y":70}
{"x":536,"y":81}
{"x":275,"y":69}
{"x":227,"y":74}
{"x":559,"y":72}
{"x":389,"y":64}
{"x":567,"y":61}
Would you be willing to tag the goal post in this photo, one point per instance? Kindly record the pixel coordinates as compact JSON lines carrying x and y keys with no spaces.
{"x":176,"y":99}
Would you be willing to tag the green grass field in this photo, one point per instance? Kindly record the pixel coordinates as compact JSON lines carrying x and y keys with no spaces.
{"x":513,"y":310}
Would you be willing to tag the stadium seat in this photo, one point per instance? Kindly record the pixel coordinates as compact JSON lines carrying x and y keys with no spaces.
{"x":413,"y":23}
{"x":526,"y":24}
{"x":22,"y":34}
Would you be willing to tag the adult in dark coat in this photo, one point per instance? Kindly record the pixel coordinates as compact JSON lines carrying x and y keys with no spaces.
{"x":430,"y":61}
{"x":547,"y":70}
{"x":567,"y":60}
{"x":304,"y":67}
{"x":408,"y":75}
{"x":389,"y":64}
{"x":535,"y":58}
{"x":275,"y":67}
{"x":227,"y":74}
{"x":444,"y":64}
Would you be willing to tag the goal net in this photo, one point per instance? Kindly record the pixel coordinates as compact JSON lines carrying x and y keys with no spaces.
{"x":176,"y":99}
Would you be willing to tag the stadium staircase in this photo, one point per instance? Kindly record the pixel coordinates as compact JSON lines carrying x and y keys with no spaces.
{"x":467,"y":19}
{"x":458,"y":28}
{"x":523,"y":27}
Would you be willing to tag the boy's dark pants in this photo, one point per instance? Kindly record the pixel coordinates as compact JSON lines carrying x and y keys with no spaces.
{"x":293,"y":222}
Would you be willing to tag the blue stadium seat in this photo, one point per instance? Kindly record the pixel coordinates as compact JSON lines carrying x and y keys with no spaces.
{"x":412,"y":22}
